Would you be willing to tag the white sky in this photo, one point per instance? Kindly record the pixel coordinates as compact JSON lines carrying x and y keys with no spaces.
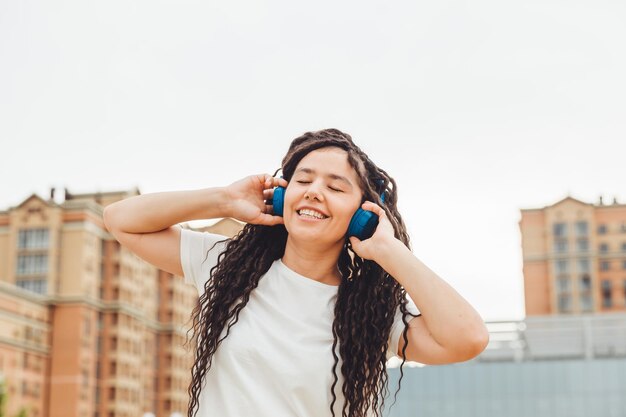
{"x":477,"y":109}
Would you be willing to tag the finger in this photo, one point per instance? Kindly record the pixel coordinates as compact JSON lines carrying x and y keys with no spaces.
{"x":371,"y":206}
{"x":269,"y":208}
{"x":266,"y":180}
{"x":269,"y":220}
{"x":278,"y":182}
{"x":262,"y":178}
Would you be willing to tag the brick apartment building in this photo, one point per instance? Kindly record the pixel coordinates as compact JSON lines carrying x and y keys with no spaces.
{"x":574,"y":258}
{"x":87,"y":328}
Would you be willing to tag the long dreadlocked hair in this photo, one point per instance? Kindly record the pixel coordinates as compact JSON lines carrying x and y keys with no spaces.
{"x":367,"y":296}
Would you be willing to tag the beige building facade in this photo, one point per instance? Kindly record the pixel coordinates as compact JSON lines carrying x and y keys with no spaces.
{"x":87,"y":328}
{"x":574,"y":258}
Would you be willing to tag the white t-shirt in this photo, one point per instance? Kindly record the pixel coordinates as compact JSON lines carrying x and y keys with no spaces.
{"x":277,"y":359}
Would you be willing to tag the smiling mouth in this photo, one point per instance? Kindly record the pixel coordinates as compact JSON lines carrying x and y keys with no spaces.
{"x":309,"y":217}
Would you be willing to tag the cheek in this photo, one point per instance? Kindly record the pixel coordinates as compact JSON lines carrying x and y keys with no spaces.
{"x":287,"y":197}
{"x":348,"y":211}
{"x":289,"y":203}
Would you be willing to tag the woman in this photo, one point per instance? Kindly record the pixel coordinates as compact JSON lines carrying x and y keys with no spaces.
{"x":295,"y":317}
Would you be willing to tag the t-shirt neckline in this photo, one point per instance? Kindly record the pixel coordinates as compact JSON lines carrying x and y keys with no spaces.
{"x":301,"y":278}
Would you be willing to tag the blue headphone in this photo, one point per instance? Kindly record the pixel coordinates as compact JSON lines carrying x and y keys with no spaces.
{"x":363,"y":222}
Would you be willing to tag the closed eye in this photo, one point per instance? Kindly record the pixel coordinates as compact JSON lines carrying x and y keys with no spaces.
{"x":308,"y":182}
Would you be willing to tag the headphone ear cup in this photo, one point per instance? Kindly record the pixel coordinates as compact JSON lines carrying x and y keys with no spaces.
{"x":363,"y":224}
{"x":278,"y":201}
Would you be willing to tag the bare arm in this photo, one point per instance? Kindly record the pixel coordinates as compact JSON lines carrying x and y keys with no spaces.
{"x":449,"y":328}
{"x":154,"y":212}
{"x":146,"y":224}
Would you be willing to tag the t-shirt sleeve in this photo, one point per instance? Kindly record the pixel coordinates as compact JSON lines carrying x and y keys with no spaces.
{"x":398,"y":327}
{"x":196,"y":264}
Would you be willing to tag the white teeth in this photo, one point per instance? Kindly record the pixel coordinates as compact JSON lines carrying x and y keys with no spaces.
{"x":311,"y":213}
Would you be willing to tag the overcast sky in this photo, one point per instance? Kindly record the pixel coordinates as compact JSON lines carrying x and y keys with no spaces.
{"x":477,"y":109}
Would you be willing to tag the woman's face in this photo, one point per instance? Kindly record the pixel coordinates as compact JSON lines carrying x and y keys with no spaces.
{"x":324,"y":182}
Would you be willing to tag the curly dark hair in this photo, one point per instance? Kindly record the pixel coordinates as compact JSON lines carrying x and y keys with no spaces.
{"x":367,"y":296}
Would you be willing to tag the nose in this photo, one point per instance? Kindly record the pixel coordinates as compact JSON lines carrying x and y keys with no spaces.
{"x":313,"y":190}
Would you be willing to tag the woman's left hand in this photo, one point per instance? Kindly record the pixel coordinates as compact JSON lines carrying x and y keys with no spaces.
{"x":384,"y":234}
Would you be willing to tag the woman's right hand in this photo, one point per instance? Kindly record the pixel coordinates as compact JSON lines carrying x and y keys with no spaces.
{"x":247,"y":197}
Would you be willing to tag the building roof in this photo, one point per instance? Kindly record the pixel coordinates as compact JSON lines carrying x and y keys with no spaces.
{"x":49,"y":203}
{"x":570,"y":198}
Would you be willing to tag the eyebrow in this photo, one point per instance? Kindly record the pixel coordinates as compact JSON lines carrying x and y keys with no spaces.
{"x":331,"y":175}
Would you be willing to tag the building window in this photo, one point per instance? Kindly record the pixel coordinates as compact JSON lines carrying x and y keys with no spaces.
{"x":32,"y":264}
{"x":605,"y":265}
{"x":586,"y":302}
{"x":562,"y":266}
{"x":32,"y":239}
{"x":560,"y":245}
{"x":560,"y":229}
{"x":623,"y":246}
{"x":604,"y":248}
{"x":583,"y":265}
{"x":582,"y":245}
{"x":606,"y":293}
{"x":602,"y":229}
{"x":564,"y":283}
{"x":565,"y":302}
{"x":38,"y":286}
{"x":581,"y":228}
{"x":585,"y":282}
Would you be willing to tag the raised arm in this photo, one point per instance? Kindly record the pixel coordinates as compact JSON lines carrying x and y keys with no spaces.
{"x":147,"y":224}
